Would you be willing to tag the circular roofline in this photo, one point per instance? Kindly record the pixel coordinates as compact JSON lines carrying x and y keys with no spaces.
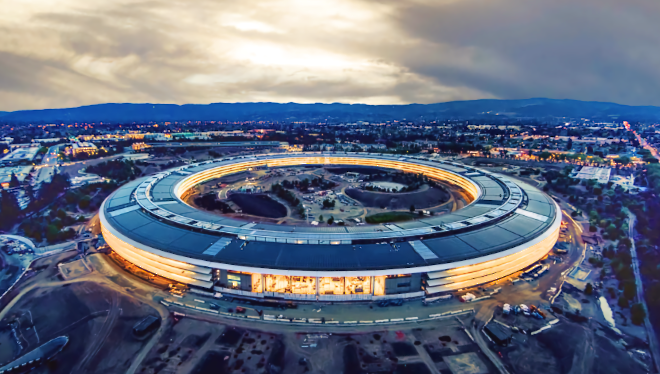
{"x":523,"y":254}
{"x":510,"y":197}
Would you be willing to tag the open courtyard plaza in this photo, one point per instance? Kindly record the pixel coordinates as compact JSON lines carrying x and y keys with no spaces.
{"x":349,"y":209}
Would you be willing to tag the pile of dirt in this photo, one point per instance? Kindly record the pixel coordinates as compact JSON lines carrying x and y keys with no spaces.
{"x":424,"y":198}
{"x":356,"y":169}
{"x":213,"y":362}
{"x":97,"y":320}
{"x":570,"y":347}
{"x":259,"y":205}
{"x":233,"y":178}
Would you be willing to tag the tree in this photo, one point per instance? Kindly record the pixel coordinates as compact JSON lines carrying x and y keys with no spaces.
{"x":625,"y":242}
{"x":623,"y":302}
{"x":9,"y":209}
{"x":52,"y":233}
{"x":60,"y":213}
{"x":331,"y":220}
{"x":321,"y":218}
{"x":13,"y":182}
{"x":412,"y":208}
{"x":545,"y":155}
{"x":623,"y":160}
{"x":589,"y":289}
{"x":629,"y":290}
{"x":327,"y":204}
{"x":637,"y":314}
{"x":84,"y":202}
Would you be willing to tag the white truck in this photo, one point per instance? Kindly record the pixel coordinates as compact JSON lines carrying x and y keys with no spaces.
{"x":525,"y":309}
{"x":468,"y":297}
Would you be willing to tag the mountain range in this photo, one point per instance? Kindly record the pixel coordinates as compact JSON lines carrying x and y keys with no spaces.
{"x":484,"y":110}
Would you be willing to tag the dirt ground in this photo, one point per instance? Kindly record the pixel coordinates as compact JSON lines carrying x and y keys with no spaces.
{"x":573,"y":345}
{"x":8,"y":273}
{"x":97,"y":319}
{"x":359,"y":203}
{"x":196,"y":346}
{"x":426,"y":197}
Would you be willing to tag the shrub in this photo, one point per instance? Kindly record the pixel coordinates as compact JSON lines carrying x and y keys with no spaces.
{"x":629,"y":290}
{"x":589,"y":289}
{"x":637,"y":314}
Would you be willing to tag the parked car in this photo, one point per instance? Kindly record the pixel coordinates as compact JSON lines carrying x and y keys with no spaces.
{"x":506,"y":309}
{"x":524,"y":309}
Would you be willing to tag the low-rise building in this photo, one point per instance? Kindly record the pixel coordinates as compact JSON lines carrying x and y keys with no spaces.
{"x":19,"y":155}
{"x":21,"y":172}
{"x":602,"y":175}
{"x":82,"y":147}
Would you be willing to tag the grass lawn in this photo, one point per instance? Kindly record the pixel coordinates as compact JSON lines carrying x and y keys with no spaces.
{"x":390,"y":217}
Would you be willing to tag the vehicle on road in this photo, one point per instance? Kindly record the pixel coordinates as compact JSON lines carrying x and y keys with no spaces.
{"x":436,"y":299}
{"x":385,"y":303}
{"x":530,"y":272}
{"x":467,"y":297}
{"x":506,"y":309}
{"x":540,"y":272}
{"x":214,"y":306}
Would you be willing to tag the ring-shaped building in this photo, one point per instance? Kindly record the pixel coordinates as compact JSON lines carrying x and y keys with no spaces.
{"x":506,"y":227}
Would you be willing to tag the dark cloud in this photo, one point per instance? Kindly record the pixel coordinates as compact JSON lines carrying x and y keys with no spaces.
{"x":345,"y":50}
{"x":582,"y":49}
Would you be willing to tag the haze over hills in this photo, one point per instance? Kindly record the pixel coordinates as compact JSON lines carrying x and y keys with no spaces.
{"x":489,"y":109}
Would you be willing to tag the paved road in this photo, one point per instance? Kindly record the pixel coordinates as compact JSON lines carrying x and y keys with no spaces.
{"x":40,"y":251}
{"x":45,"y":174}
{"x":52,"y":156}
{"x":650,"y":332}
{"x":486,"y":314}
{"x":645,"y":144}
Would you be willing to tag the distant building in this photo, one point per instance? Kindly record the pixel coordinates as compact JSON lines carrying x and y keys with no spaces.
{"x":22,"y":145}
{"x":21,"y":173}
{"x":47,"y":140}
{"x":602,"y":175}
{"x":137,"y":147}
{"x":627,"y":183}
{"x":82,"y":147}
{"x":20,"y":154}
{"x":137,"y":156}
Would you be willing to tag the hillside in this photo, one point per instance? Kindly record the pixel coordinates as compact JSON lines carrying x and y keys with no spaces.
{"x":492,"y":110}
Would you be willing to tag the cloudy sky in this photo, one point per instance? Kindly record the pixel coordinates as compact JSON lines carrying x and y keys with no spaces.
{"x":63,"y":53}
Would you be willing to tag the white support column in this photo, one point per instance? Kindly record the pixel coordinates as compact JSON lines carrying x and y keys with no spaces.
{"x":373,"y":285}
